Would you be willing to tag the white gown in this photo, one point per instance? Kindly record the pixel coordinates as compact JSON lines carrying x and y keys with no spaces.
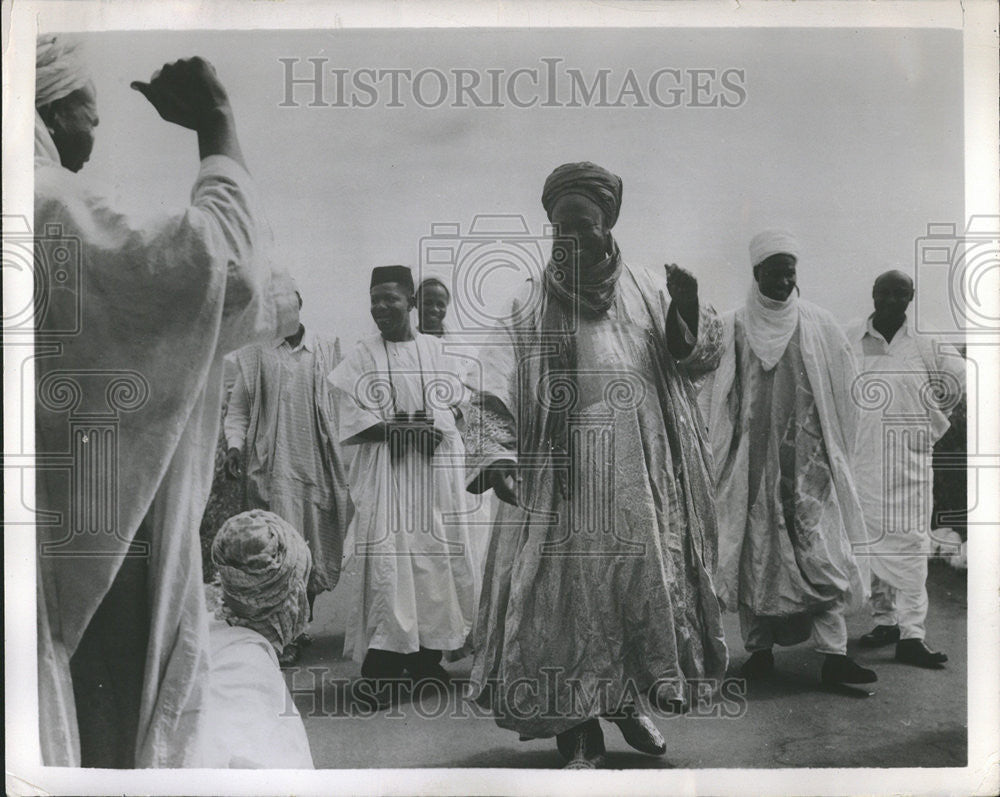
{"x":417,"y":578}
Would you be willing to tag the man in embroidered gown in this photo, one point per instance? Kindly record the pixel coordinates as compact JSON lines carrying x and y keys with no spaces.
{"x":783,"y":427}
{"x":598,"y":599}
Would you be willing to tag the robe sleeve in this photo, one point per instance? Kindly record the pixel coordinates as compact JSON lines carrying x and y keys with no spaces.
{"x":490,"y":430}
{"x":708,"y":344}
{"x":360,"y":392}
{"x":237,"y":414}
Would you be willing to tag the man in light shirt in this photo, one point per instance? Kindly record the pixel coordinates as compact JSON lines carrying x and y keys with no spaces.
{"x":281,"y":425}
{"x":914,"y":382}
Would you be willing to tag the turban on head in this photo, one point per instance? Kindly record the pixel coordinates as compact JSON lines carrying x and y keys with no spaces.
{"x":400,"y":274}
{"x":772,"y":242}
{"x":60,"y":68}
{"x":263,"y":566}
{"x":588,"y":180}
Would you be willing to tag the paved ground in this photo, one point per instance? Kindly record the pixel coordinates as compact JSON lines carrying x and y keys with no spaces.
{"x":916,"y":718}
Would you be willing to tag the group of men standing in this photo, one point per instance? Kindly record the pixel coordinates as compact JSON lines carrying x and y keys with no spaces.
{"x":628,"y":517}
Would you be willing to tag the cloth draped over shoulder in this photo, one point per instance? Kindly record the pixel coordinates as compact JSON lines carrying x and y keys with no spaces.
{"x":786,"y":541}
{"x":603,"y":575}
{"x":131,"y":365}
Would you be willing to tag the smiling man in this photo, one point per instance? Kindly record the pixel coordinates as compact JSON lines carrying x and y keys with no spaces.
{"x":398,"y":400}
{"x":783,"y":426}
{"x":597,"y":597}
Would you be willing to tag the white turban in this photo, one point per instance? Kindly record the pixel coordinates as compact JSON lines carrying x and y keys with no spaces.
{"x":772,"y":242}
{"x":60,"y":68}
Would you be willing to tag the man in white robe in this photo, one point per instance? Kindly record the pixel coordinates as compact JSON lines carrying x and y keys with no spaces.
{"x":783,"y":427}
{"x":281,"y":422}
{"x":399,"y":397}
{"x":908,"y":385}
{"x":129,"y":381}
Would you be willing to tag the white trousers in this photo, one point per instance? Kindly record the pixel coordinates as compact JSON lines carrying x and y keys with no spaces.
{"x":899,"y":585}
{"x":829,"y":631}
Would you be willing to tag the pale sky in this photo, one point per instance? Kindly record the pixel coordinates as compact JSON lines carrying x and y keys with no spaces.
{"x":851,"y":139}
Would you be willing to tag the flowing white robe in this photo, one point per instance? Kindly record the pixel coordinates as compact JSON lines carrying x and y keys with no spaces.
{"x":785,"y":543}
{"x":129,"y":385}
{"x":417,"y":578}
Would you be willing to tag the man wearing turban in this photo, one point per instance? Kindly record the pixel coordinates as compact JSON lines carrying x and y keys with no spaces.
{"x":598,"y":599}
{"x":263,"y":567}
{"x":123,"y":641}
{"x":783,"y":424}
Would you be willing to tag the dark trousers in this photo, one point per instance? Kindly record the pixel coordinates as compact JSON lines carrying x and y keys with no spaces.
{"x":390,"y":664}
{"x":108,"y":666}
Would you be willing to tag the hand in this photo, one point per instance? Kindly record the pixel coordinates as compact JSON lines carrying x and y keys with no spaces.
{"x":682,"y":286}
{"x":234,"y":464}
{"x":187,"y":93}
{"x":505,"y":481}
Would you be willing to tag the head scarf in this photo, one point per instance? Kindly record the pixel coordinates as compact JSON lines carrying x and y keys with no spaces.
{"x":60,"y":68}
{"x":772,"y":242}
{"x":770,"y":324}
{"x":263,"y":566}
{"x":400,"y":274}
{"x":588,"y":180}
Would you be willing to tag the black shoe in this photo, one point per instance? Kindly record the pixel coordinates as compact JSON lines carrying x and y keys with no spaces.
{"x":582,"y":746}
{"x":759,"y":665}
{"x":914,"y":651}
{"x":842,"y":670}
{"x":880,"y":636}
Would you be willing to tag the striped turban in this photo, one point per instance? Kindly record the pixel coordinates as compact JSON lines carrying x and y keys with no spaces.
{"x":60,"y":68}
{"x":772,"y":242}
{"x":263,"y":566}
{"x":588,"y":180}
